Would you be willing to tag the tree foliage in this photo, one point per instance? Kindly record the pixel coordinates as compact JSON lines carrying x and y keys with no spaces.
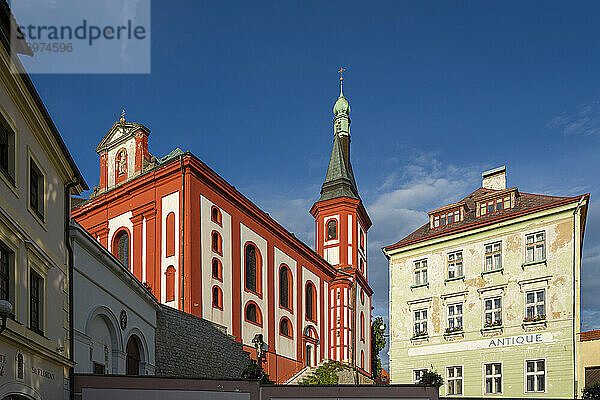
{"x":592,"y":391}
{"x":326,"y":374}
{"x":431,"y":378}
{"x":377,"y":344}
{"x":254,"y":371}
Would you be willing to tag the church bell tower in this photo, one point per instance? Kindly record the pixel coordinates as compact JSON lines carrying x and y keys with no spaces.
{"x":341,"y":225}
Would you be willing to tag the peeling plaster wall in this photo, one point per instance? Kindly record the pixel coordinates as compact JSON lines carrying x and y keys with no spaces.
{"x":471,"y":349}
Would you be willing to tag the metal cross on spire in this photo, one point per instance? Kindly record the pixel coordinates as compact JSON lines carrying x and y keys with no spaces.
{"x":341,"y":71}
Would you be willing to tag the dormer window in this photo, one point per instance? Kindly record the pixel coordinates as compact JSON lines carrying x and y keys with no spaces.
{"x":446,"y":218}
{"x":494,"y":205}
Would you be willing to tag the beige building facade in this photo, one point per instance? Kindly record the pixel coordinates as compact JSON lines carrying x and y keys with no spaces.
{"x":37,"y":177}
{"x":487,"y":294}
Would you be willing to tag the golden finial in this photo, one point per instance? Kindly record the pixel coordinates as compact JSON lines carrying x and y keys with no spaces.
{"x":123,"y":116}
{"x":341,"y":71}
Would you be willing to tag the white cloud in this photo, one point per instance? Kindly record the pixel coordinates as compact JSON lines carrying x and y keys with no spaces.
{"x":583,"y":120}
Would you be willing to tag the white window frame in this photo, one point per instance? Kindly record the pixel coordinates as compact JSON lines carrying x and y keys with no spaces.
{"x":493,"y":310}
{"x":526,"y":374}
{"x":535,"y":244}
{"x":421,"y":322}
{"x":492,"y":256}
{"x":455,"y":316}
{"x":461,"y":379}
{"x":420,"y":267}
{"x":454,"y":263}
{"x":418,"y":371}
{"x":493,"y":377}
{"x":535,"y":303}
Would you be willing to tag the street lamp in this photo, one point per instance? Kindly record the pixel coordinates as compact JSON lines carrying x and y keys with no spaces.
{"x":6,"y":309}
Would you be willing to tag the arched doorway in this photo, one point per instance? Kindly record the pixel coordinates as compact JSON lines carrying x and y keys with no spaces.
{"x":311,"y":346}
{"x":133,"y":357}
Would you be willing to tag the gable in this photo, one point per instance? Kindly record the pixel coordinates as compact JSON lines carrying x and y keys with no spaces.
{"x":119,"y":133}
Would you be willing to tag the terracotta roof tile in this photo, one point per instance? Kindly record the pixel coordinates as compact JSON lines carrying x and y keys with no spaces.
{"x":524,"y":202}
{"x":589,"y":335}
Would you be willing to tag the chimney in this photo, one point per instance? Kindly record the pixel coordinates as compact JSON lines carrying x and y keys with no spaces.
{"x":494,"y":178}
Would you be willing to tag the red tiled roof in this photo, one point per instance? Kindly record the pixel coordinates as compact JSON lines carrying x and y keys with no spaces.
{"x":589,"y":335}
{"x":525,"y":203}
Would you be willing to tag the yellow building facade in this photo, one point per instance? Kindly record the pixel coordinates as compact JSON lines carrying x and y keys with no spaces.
{"x":487,"y":294}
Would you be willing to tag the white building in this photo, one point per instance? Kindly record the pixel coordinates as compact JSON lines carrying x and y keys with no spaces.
{"x":37,"y":178}
{"x":114,"y":314}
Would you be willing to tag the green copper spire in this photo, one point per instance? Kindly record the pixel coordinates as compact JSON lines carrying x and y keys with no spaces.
{"x":339,"y":181}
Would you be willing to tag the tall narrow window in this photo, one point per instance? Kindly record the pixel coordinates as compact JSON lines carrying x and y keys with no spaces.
{"x":362,"y":359}
{"x":332,"y":229}
{"x":362,"y":240}
{"x":215,"y":215}
{"x":121,"y":247}
{"x":36,"y":291}
{"x":251,"y":267}
{"x":493,"y":256}
{"x":310,"y":304}
{"x":217,"y":298}
{"x":535,"y":307}
{"x":493,"y":312}
{"x":362,"y":326}
{"x":536,"y":375}
{"x":170,"y":230}
{"x":455,"y":265}
{"x":217,"y":269}
{"x":36,"y":189}
{"x":170,"y":283}
{"x":536,"y":246}
{"x":420,"y":268}
{"x":455,"y":380}
{"x":6,"y":258}
{"x":7,"y":151}
{"x":493,"y":378}
{"x":216,"y":243}
{"x":455,"y":317}
{"x":285,"y":292}
{"x":420,"y":322}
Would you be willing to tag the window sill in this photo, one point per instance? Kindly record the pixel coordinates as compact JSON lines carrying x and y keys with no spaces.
{"x":458,"y":278}
{"x":454,"y":335}
{"x":534,"y":325}
{"x":10,"y":182}
{"x":259,"y":294}
{"x":38,"y":218}
{"x":492,"y":330}
{"x":286,"y":309}
{"x":419,"y":285}
{"x":420,"y":338}
{"x":501,"y":270}
{"x":254,"y":323}
{"x":527,"y":264}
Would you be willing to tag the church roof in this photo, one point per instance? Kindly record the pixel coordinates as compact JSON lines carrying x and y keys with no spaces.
{"x":339,"y":181}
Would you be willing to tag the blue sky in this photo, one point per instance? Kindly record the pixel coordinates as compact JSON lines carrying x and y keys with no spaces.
{"x":439,"y":91}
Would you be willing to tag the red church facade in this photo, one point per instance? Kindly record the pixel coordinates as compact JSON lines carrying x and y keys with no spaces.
{"x":202,"y":247}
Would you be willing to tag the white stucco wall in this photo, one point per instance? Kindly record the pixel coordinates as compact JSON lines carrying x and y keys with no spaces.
{"x":170,"y":203}
{"x":286,"y":346}
{"x":100,"y":292}
{"x":222,"y":317}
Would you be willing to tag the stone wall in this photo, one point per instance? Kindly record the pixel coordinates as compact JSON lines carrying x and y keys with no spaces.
{"x":189,"y":346}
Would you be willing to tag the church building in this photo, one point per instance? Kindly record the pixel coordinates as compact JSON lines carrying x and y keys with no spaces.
{"x":201,"y":246}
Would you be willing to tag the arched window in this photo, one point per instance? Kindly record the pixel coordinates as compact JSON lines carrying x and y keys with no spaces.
{"x":170,"y":234}
{"x":285,"y":327}
{"x":362,"y":359}
{"x":215,"y":215}
{"x":253,"y":314}
{"x":310,"y":302}
{"x":362,"y":326}
{"x":121,"y":247}
{"x":216,"y":243}
{"x":133,"y":357}
{"x":170,"y":283}
{"x":252,"y":263}
{"x":362,"y":266}
{"x":362,"y":240}
{"x":285,"y":287}
{"x":362,"y":297}
{"x":332,"y":229}
{"x":217,"y":298}
{"x":217,"y":269}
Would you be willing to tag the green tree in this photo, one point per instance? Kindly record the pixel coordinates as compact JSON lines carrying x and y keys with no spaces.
{"x":254,"y":371}
{"x":592,"y":391}
{"x":326,"y":374}
{"x":377,"y":344}
{"x":431,"y":378}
